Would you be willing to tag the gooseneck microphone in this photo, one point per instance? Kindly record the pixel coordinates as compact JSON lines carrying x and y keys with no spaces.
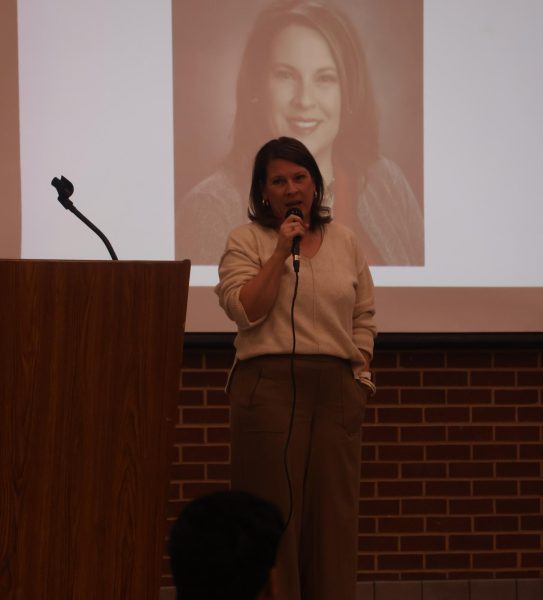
{"x":65,"y":189}
{"x":294,"y":210}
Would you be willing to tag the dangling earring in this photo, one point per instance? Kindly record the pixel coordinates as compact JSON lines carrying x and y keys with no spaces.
{"x":265,"y":202}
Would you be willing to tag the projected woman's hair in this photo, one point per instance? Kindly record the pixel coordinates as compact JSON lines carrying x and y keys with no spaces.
{"x":304,"y":74}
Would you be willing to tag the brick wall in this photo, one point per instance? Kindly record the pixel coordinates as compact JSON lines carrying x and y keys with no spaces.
{"x":451,"y":475}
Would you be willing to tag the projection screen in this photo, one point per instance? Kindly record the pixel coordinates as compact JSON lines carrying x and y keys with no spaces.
{"x":143,"y":104}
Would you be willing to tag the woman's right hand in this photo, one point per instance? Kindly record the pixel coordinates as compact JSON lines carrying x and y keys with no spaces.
{"x":291,"y":227}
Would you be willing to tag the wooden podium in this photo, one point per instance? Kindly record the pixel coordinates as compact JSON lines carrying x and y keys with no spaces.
{"x":90,"y":357}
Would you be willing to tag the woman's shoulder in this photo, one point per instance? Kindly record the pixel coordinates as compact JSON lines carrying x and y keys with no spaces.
{"x":251,"y":232}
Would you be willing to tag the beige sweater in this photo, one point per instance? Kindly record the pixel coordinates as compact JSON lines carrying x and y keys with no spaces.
{"x":334,"y":306}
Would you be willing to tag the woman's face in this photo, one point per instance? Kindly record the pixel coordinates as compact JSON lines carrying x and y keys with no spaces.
{"x":304,"y":89}
{"x":288,"y":185}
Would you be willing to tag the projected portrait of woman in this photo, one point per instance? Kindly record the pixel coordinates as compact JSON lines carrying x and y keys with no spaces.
{"x":304,"y":74}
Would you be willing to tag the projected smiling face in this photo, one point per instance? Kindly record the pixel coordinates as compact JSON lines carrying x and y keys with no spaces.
{"x":304,"y":90}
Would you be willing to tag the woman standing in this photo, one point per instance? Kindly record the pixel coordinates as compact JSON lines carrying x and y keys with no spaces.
{"x":328,"y":377}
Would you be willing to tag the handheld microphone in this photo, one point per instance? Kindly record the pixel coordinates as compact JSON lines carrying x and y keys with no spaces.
{"x":294,"y":210}
{"x":65,"y":189}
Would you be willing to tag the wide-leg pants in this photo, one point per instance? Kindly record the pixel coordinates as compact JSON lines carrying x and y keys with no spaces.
{"x":318,"y":555}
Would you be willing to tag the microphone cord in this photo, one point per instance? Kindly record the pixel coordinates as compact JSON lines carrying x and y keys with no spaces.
{"x":293,"y":407}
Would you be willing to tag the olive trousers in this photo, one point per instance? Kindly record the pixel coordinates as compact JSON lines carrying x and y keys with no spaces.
{"x":318,"y":555}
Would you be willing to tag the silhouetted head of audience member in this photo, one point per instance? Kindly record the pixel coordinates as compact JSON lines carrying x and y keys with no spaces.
{"x":224,"y":546}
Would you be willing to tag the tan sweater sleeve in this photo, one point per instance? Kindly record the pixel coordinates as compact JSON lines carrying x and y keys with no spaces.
{"x":239,"y":263}
{"x":364,"y":328}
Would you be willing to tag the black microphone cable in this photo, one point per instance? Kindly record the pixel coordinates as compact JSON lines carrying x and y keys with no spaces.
{"x":294,"y":210}
{"x":293,"y":407}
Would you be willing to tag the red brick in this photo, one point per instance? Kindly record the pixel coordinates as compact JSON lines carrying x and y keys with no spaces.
{"x":401,"y":452}
{"x":378,"y":507}
{"x":532,"y":523}
{"x":471,"y":507}
{"x":496,"y":487}
{"x":378,"y":543}
{"x":400,"y":524}
{"x":492,"y":378}
{"x":205,"y":415}
{"x":447,"y":561}
{"x":191,"y":397}
{"x":447,"y":415}
{"x":422,"y":360}
{"x":471,"y":542}
{"x":470,"y":360}
{"x":384,"y":360}
{"x":518,"y":506}
{"x":369,"y":415}
{"x":518,"y":542}
{"x":533,"y":414}
{"x":531,"y":450}
{"x":450,"y":489}
{"x":379,"y":433}
{"x":424,"y":507}
{"x":531,"y":378}
{"x":203,"y":454}
{"x":202,"y":379}
{"x":423,"y":470}
{"x":386,"y":396}
{"x":366,"y":562}
{"x":379,"y":470}
{"x":218,"y":472}
{"x":519,"y":433}
{"x":471,"y":433}
{"x":423,"y":396}
{"x":189,"y":435}
{"x":219,"y":359}
{"x":532,"y":559}
{"x":192,"y":359}
{"x":400,"y":562}
{"x":218,"y":435}
{"x":495,"y":452}
{"x":216,"y":398}
{"x":471,"y":469}
{"x":367,"y":525}
{"x":516,"y":359}
{"x":447,"y":524}
{"x":387,"y":489}
{"x":518,"y":469}
{"x":448,"y":452}
{"x":429,"y":543}
{"x":498,"y":523}
{"x":494,"y":560}
{"x":469,"y":396}
{"x":367,"y":489}
{"x":444,"y":378}
{"x":187,"y":472}
{"x":493,"y":414}
{"x":369,"y":453}
{"x":426,"y":433}
{"x":397,"y":378}
{"x":532,"y":488}
{"x":194,"y":490}
{"x":516,"y":397}
{"x":400,"y":415}
{"x":174,"y":491}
